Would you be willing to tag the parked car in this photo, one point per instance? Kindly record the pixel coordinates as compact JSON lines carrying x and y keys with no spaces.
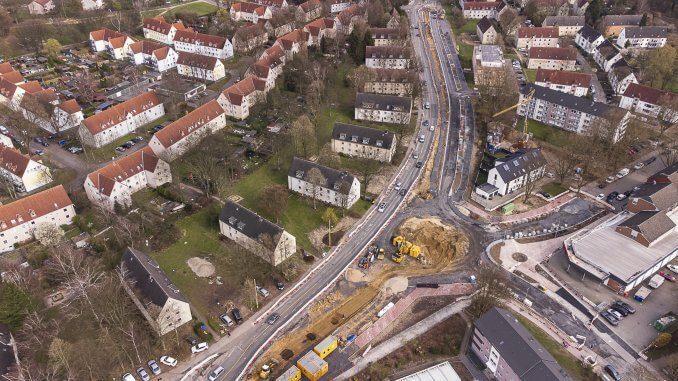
{"x":610,"y":319}
{"x":620,"y":309}
{"x":192,"y":340}
{"x":621,"y":196}
{"x":398,"y":186}
{"x":4,"y":130}
{"x":673,"y":268}
{"x":623,"y":172}
{"x":138,"y":139}
{"x":226,"y":320}
{"x":612,"y":196}
{"x":626,"y":306}
{"x":612,"y":372}
{"x":199,"y":347}
{"x":279,"y":284}
{"x":273,"y":318}
{"x":263,"y":292}
{"x":614,"y":313}
{"x":609,"y":179}
{"x":128,"y":377}
{"x":76,"y":150}
{"x":600,"y":196}
{"x":651,"y":160}
{"x":153,"y":366}
{"x":169,"y":361}
{"x":143,"y":374}
{"x":236,"y":315}
{"x":41,"y":141}
{"x":667,"y":276}
{"x":38,"y":152}
{"x":639,"y":165}
{"x":120,"y":149}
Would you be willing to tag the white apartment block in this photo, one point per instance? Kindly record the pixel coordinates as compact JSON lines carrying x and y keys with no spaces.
{"x":389,"y":81}
{"x":156,"y":56}
{"x":537,"y":37}
{"x":387,"y":57}
{"x":588,"y":39}
{"x":251,"y":12}
{"x":114,"y":43}
{"x":159,"y":30}
{"x":569,"y":82}
{"x":337,"y":6}
{"x":203,"y":44}
{"x":478,"y":10}
{"x":90,"y":5}
{"x":606,"y":55}
{"x":40,"y":7}
{"x":552,"y":58}
{"x":650,"y":102}
{"x":387,"y":37}
{"x":241,"y":96}
{"x":621,"y":76}
{"x":19,"y":219}
{"x":383,"y":108}
{"x":363,"y":142}
{"x":568,"y":26}
{"x":200,"y":67}
{"x":647,"y":37}
{"x":511,"y":173}
{"x":26,"y":174}
{"x":340,"y":189}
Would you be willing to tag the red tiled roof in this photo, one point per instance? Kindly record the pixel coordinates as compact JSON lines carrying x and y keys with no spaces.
{"x":104,"y":179}
{"x":568,"y":53}
{"x":119,"y":42}
{"x":246,"y":7}
{"x":116,"y":114}
{"x":70,"y":106}
{"x":13,"y":76}
{"x":197,"y":60}
{"x":543,"y":32}
{"x":290,"y":38}
{"x":189,"y":123}
{"x":562,"y":77}
{"x":647,"y":94}
{"x":31,"y":87}
{"x":5,"y":68}
{"x":13,"y":161}
{"x":7,"y":88}
{"x":32,"y":207}
{"x":42,"y":2}
{"x":309,"y":5}
{"x":158,"y":24}
{"x":245,"y":87}
{"x":104,"y":34}
{"x":145,"y":47}
{"x":347,"y":14}
{"x":196,"y":38}
{"x":483,"y":5}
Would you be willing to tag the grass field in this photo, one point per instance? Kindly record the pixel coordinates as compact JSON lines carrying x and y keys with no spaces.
{"x":545,"y":133}
{"x":197,"y":7}
{"x":531,"y":75}
{"x":554,"y":188}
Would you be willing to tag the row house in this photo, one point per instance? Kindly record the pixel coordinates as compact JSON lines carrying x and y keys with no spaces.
{"x":249,"y":37}
{"x":153,"y":54}
{"x":115,"y":183}
{"x":579,"y":7}
{"x":185,"y":133}
{"x":159,"y":30}
{"x":363,"y":142}
{"x":650,"y":102}
{"x":256,"y":234}
{"x":613,"y":25}
{"x":121,"y":119}
{"x":389,"y":81}
{"x":568,"y":26}
{"x":10,"y":94}
{"x":337,"y":6}
{"x":606,"y":55}
{"x":588,"y":39}
{"x":272,"y":3}
{"x":319,"y":29}
{"x":66,"y":115}
{"x":486,"y":32}
{"x":23,"y":172}
{"x":537,"y":37}
{"x":337,"y":188}
{"x":293,"y":43}
{"x":8,"y":73}
{"x":621,"y":76}
{"x":552,"y":58}
{"x":309,"y":10}
{"x":569,"y":112}
{"x":53,"y":117}
{"x":387,"y":37}
{"x":512,"y":172}
{"x":278,"y":27}
{"x":477,"y":10}
{"x":346,"y":19}
{"x":114,"y":43}
{"x":569,"y":82}
{"x":550,"y":7}
{"x":387,"y":57}
{"x":648,"y":37}
{"x":199,"y":67}
{"x":383,"y":108}
{"x":21,"y":218}
{"x":40,"y":7}
{"x":203,"y":44}
{"x":269,"y":67}
{"x":251,"y":12}
{"x":238,"y":99}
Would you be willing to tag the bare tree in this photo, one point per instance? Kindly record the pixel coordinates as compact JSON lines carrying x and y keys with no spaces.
{"x":303,"y":136}
{"x":317,"y":181}
{"x":367,"y":169}
{"x":273,"y":200}
{"x":87,"y":85}
{"x":564,"y":165}
{"x":529,"y":185}
{"x":669,"y":154}
{"x":492,"y":290}
{"x":48,"y":234}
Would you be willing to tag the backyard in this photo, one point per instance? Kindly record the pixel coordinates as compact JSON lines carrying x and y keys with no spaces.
{"x":553,"y":188}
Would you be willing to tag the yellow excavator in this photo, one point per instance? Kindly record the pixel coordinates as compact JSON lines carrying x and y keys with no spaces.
{"x":267,"y":368}
{"x":404,"y":247}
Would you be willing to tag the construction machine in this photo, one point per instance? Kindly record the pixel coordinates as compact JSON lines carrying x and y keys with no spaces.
{"x":404,"y":247}
{"x":525,"y":134}
{"x":267,"y":368}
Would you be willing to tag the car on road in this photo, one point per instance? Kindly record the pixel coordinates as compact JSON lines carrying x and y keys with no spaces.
{"x":419,"y":164}
{"x":169,"y":361}
{"x":600,"y":196}
{"x":667,"y":276}
{"x":673,"y":268}
{"x":143,"y":374}
{"x":639,"y":165}
{"x":216,"y":373}
{"x":621,"y":196}
{"x":403,"y":192}
{"x":612,"y":196}
{"x":199,"y":347}
{"x":610,"y":318}
{"x":612,"y":372}
{"x":415,"y":156}
{"x":421,"y":138}
{"x":226,"y":320}
{"x":153,"y":366}
{"x":279,"y":284}
{"x":273,"y":318}
{"x":41,"y":141}
{"x":128,"y":377}
{"x":427,"y":105}
{"x":425,"y":123}
{"x":263,"y":292}
{"x":626,"y":306}
{"x":381,"y":207}
{"x":431,"y":128}
{"x":398,"y":186}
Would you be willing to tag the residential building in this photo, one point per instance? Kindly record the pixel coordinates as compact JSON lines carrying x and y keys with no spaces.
{"x":116,"y":182}
{"x":238,"y":99}
{"x":121,"y":119}
{"x":203,"y":44}
{"x":488,"y":65}
{"x":10,"y":94}
{"x":252,"y":12}
{"x":394,"y":21}
{"x":183,"y":134}
{"x":272,"y":3}
{"x":439,"y":372}
{"x":486,"y":32}
{"x":23,"y":172}
{"x":588,"y":39}
{"x":621,"y":76}
{"x":293,"y":42}
{"x":155,"y":55}
{"x":279,"y":26}
{"x":269,"y":66}
{"x":159,"y":30}
{"x":40,"y":7}
{"x":114,"y":43}
{"x":249,"y":37}
{"x":20,"y":218}
{"x":387,"y":37}
{"x":8,"y":73}
{"x":383,"y":108}
{"x":650,"y":102}
{"x":648,"y":37}
{"x":478,"y":10}
{"x":547,"y":8}
{"x":510,"y":352}
{"x":512,"y":172}
{"x":570,"y":82}
{"x":160,"y":301}
{"x":552,"y":58}
{"x":571,"y":113}
{"x":337,"y":6}
{"x":628,"y":248}
{"x":346,"y":19}
{"x":568,"y":26}
{"x":363,"y":142}
{"x":319,"y":29}
{"x":606,"y":55}
{"x":612,"y":25}
{"x":579,"y":7}
{"x":309,"y":10}
{"x":537,"y":37}
{"x":340,"y":189}
{"x":258,"y":235}
{"x":389,"y":81}
{"x":387,"y":57}
{"x":90,"y":5}
{"x":204,"y":68}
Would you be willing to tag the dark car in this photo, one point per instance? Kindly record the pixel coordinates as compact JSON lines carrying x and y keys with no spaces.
{"x":126,"y":146}
{"x":609,"y":317}
{"x":41,"y":141}
{"x":612,"y":196}
{"x":236,"y":316}
{"x":626,"y":306}
{"x":192,"y":340}
{"x":419,"y":164}
{"x":620,"y":309}
{"x":612,"y":372}
{"x":403,"y":192}
{"x":651,"y":160}
{"x":279,"y":284}
{"x":273,"y":318}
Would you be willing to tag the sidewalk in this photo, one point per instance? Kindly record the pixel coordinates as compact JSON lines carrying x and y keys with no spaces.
{"x":551,"y":207}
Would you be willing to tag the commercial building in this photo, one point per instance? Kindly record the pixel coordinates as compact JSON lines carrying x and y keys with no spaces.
{"x":363,"y":142}
{"x":333,"y":187}
{"x":383,"y":108}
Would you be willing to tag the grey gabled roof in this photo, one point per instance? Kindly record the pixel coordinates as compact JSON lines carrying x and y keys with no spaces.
{"x":646,"y":32}
{"x":363,"y":135}
{"x":608,"y":50}
{"x":567,"y":100}
{"x":148,"y":277}
{"x":383,"y":102}
{"x":589,"y":34}
{"x":484,"y":24}
{"x":621,"y":20}
{"x":564,"y":21}
{"x":652,"y":224}
{"x":662,"y":195}
{"x":528,"y":359}
{"x":248,"y":222}
{"x":519,"y":163}
{"x":336,"y":180}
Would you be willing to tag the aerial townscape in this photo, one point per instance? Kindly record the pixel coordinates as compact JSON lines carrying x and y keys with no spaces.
{"x":413,"y":190}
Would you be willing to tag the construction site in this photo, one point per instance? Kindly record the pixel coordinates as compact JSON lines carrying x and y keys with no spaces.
{"x":369,"y":300}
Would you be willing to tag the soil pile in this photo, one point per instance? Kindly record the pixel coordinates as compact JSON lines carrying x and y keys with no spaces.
{"x":395,"y":285}
{"x":201,"y":267}
{"x":355,"y":275}
{"x":440,"y":243}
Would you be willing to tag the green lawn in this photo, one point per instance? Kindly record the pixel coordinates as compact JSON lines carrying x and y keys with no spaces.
{"x":153,"y":12}
{"x":554,"y":188}
{"x":197,"y":7}
{"x":469,"y":27}
{"x":570,"y":363}
{"x":545,"y":133}
{"x":531,"y":75}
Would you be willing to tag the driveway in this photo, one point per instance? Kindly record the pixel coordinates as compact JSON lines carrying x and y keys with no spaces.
{"x":598,"y":91}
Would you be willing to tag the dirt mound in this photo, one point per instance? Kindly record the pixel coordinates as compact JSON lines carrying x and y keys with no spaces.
{"x":395,"y":285}
{"x":355,"y":275}
{"x":201,"y":267}
{"x":440,"y":243}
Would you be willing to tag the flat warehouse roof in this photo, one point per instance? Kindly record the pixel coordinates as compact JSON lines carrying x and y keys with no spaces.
{"x":440,"y":372}
{"x":605,"y":251}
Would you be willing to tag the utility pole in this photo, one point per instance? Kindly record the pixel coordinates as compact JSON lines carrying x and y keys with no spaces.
{"x":256,"y":299}
{"x":329,"y":232}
